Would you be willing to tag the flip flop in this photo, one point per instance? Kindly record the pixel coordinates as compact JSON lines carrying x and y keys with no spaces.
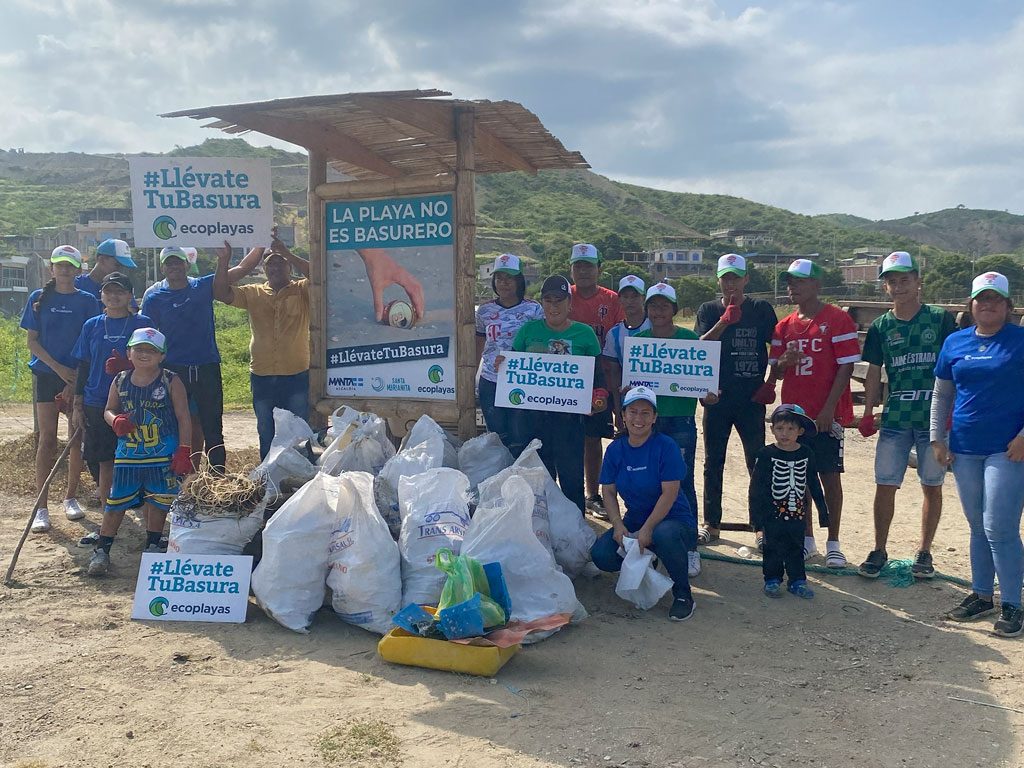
{"x":705,"y":536}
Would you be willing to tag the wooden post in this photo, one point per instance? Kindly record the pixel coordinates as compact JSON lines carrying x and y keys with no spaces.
{"x":465,"y":270}
{"x":317,"y":299}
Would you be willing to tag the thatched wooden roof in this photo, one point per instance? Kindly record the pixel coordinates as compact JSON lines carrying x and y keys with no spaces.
{"x":395,"y":134}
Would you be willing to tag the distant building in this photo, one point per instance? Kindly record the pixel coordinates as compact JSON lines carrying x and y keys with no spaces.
{"x":21,"y":272}
{"x":860,"y":270}
{"x":744,"y":238}
{"x":670,"y":263}
{"x":98,"y":224}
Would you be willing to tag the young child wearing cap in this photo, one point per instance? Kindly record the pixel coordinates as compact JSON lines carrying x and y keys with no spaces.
{"x":782,"y":485}
{"x":631,"y":296}
{"x":561,"y":434}
{"x":645,"y":468}
{"x":599,"y":308}
{"x":813,"y":351}
{"x":54,"y":316}
{"x":497,"y":323}
{"x":147,"y":409}
{"x":905,"y":341}
{"x":101,"y":352}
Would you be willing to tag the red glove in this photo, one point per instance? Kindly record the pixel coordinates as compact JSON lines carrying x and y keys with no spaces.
{"x":116,"y":363}
{"x":867,"y":425}
{"x":599,"y":399}
{"x":123,"y":425}
{"x":62,"y":405}
{"x":181,"y":462}
{"x":765,"y":394}
{"x":732,"y":314}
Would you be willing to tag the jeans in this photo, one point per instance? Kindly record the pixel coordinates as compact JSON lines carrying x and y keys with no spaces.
{"x":561,"y":435}
{"x":203,"y":384}
{"x":892,"y":455}
{"x":670,"y":541}
{"x":501,"y":421}
{"x":991,"y":490}
{"x":683,"y":429}
{"x":747,"y":417}
{"x":270,"y":392}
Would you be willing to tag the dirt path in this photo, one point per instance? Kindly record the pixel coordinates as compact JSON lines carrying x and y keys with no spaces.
{"x":862,"y":675}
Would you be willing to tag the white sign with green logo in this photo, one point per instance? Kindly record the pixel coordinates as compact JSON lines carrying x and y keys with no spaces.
{"x":201,"y":201}
{"x":532,"y":381}
{"x":192,"y":588}
{"x":671,"y":367}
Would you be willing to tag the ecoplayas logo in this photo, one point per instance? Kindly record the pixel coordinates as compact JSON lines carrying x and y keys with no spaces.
{"x":158,"y":606}
{"x":516,"y":396}
{"x":435,"y":374}
{"x":164,"y":226}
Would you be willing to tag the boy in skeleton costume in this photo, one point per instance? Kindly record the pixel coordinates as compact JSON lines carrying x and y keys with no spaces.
{"x":784,"y":481}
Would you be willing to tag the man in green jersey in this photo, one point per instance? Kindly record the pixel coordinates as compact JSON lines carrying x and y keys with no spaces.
{"x":906,"y":340}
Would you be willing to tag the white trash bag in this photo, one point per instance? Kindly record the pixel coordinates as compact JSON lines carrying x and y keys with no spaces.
{"x":284,"y":463}
{"x":537,"y":477}
{"x":502,"y":532}
{"x":363,"y":447}
{"x":290,"y":580}
{"x":571,"y":537}
{"x":196,"y":533}
{"x":424,"y":428}
{"x":365,"y":573}
{"x":483,"y":457}
{"x":639,"y":581}
{"x":435,"y":512}
{"x":407,"y":462}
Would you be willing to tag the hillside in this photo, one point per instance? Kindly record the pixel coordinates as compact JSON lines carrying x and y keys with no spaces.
{"x":976,"y":232}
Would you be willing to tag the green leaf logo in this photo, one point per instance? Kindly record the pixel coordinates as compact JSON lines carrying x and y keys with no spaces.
{"x":516,"y":396}
{"x":164,"y":226}
{"x":158,"y":606}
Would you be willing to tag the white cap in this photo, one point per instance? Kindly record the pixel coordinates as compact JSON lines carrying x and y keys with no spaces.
{"x":662,"y":289}
{"x":898,"y":261}
{"x":66,"y":253}
{"x":584,"y":252}
{"x":508,"y":263}
{"x":632,"y":281}
{"x":150,"y":336}
{"x":639,"y":393}
{"x":991,"y":281}
{"x":732,"y":263}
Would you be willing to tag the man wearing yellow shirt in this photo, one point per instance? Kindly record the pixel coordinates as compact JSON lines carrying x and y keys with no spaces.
{"x":279,"y":318}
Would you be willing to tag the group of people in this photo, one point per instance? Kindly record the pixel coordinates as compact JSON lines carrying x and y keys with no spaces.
{"x":950,"y":395}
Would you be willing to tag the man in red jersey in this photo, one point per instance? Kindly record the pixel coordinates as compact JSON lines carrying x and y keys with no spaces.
{"x":599,"y":308}
{"x":813,"y":351}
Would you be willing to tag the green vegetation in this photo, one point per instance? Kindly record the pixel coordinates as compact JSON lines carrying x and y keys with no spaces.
{"x":363,"y":741}
{"x":25,"y":207}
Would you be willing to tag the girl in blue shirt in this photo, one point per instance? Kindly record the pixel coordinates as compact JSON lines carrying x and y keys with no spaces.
{"x":53,"y":317}
{"x":645,"y":468}
{"x":977,"y":378}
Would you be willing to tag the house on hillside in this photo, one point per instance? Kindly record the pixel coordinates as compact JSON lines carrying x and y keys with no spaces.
{"x":667,"y":263}
{"x":22,"y":270}
{"x":864,"y":266}
{"x":745,"y":239}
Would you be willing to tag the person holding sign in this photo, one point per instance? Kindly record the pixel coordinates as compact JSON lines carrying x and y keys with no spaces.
{"x":599,"y":308}
{"x":813,"y":352}
{"x":497,"y":323}
{"x":744,"y":326}
{"x":560,"y":433}
{"x":645,"y":468}
{"x":631,"y":297}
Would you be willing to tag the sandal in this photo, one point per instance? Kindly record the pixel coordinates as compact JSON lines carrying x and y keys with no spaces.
{"x":759,"y":542}
{"x":705,"y":536}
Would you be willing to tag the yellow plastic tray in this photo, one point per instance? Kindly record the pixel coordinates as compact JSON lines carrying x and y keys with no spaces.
{"x":401,"y":647}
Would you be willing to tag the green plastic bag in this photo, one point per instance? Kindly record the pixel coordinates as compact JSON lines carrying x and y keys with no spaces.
{"x":466,"y":577}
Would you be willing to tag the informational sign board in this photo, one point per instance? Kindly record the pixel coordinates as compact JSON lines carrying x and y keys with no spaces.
{"x":201,"y":201}
{"x":532,"y":381}
{"x":389,"y":284}
{"x":192,"y":588}
{"x":672,"y":367}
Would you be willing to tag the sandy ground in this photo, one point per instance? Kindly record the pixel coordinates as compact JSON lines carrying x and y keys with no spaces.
{"x":863,"y":675}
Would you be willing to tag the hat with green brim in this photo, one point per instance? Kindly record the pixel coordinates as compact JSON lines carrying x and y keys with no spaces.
{"x":584,"y":252}
{"x":664,"y":291}
{"x":67,"y":253}
{"x":991,"y":281}
{"x":898,"y":261}
{"x":508,"y":263}
{"x":804,"y":268}
{"x":173,"y":252}
{"x":634,"y":282}
{"x":731,"y":264}
{"x":150,"y":336}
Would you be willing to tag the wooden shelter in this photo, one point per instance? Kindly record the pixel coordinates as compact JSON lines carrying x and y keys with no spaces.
{"x":395,"y":143}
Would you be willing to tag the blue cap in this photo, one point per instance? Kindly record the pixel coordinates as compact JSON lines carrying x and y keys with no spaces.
{"x":116,"y":249}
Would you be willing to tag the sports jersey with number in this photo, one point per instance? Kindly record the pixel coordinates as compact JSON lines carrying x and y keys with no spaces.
{"x":908,"y":349}
{"x":826,"y":341}
{"x":601,"y":312}
{"x":498,"y":326}
{"x":156,"y":435}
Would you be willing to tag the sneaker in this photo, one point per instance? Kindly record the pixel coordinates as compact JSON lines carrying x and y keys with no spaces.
{"x":692,"y":564}
{"x":972,"y":608}
{"x":154,"y":549}
{"x":41,"y":522}
{"x":800,"y":589}
{"x":90,"y":539}
{"x":773,"y":588}
{"x":595,"y":506}
{"x":922,"y":567}
{"x":1010,"y":623}
{"x":73,"y":510}
{"x":810,"y":548}
{"x":99,"y":563}
{"x":874,"y":564}
{"x":834,"y":557}
{"x":682,"y":609}
{"x":706,"y":535}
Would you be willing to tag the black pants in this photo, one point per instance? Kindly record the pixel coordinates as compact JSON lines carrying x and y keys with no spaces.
{"x":784,"y":550}
{"x":733,"y":410}
{"x":204,"y":386}
{"x":561,"y":436}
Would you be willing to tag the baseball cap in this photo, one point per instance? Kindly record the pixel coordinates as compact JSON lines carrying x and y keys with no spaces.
{"x":508,"y":263}
{"x":732,"y":263}
{"x":555,"y":284}
{"x":805,"y":421}
{"x":639,"y":393}
{"x":665,"y":290}
{"x":67,"y":253}
{"x":150,"y":336}
{"x":116,"y":249}
{"x":584,"y":252}
{"x":991,"y":281}
{"x":192,"y":255}
{"x":898,"y":261}
{"x":119,"y":279}
{"x":804,"y":268}
{"x":634,"y":282}
{"x":173,"y":252}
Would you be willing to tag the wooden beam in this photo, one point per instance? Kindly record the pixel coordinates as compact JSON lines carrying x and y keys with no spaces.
{"x":370,"y":188}
{"x":317,"y":296}
{"x":489,"y":145}
{"x":465,"y":271}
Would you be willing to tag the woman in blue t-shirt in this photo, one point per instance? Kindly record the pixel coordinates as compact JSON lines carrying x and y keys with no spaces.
{"x":645,"y":468}
{"x":53,"y":317}
{"x":977,"y":378}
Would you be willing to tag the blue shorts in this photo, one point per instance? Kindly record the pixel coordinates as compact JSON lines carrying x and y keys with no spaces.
{"x":138,"y":484}
{"x":892,"y":454}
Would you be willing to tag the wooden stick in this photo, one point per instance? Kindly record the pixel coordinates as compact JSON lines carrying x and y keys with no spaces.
{"x":39,"y":500}
{"x":986,"y":704}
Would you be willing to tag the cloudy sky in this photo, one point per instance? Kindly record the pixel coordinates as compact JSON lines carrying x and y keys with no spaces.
{"x":878,"y":108}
